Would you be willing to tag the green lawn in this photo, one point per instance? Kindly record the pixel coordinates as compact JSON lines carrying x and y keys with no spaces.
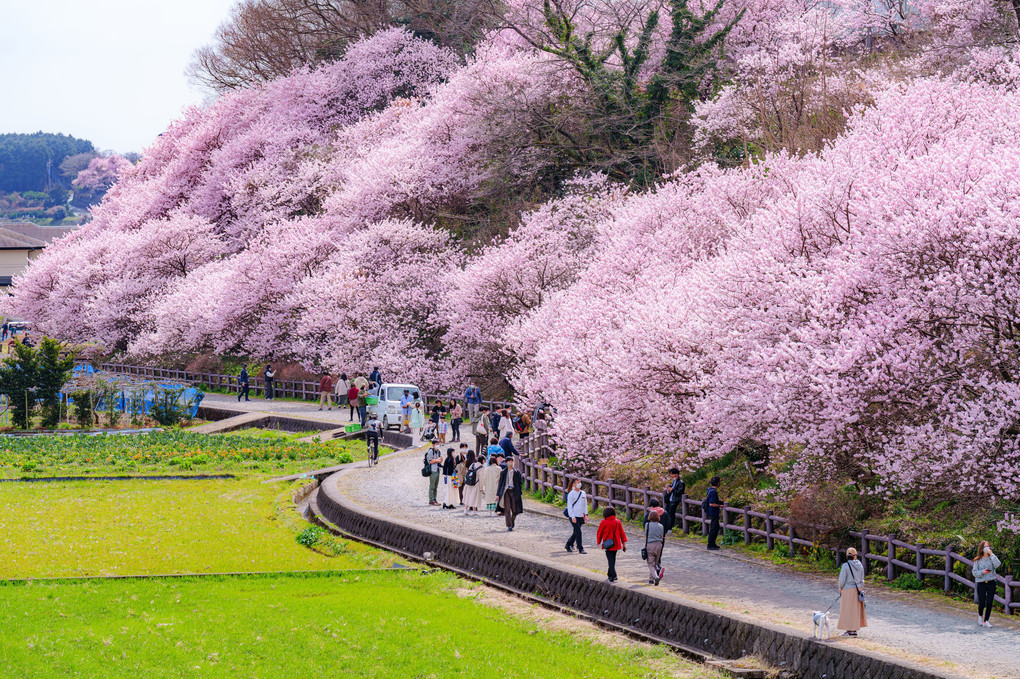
{"x":58,"y":529}
{"x":173,"y":452}
{"x":391,"y":624}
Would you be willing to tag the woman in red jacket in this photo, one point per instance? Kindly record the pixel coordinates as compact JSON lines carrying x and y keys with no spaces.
{"x":611,"y":538}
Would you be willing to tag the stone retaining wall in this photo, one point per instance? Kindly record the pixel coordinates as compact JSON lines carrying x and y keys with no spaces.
{"x":655,"y":613}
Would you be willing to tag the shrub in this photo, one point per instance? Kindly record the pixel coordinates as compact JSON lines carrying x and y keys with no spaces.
{"x":311,"y":536}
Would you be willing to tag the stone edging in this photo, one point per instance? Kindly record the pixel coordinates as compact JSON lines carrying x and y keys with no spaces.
{"x":656,"y":614}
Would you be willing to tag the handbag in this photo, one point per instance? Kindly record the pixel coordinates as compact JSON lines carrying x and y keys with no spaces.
{"x":608,"y":543}
{"x":860,"y":592}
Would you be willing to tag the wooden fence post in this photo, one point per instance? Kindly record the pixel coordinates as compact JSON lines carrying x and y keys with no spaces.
{"x":646,"y":498}
{"x":863,"y":556}
{"x":769,"y":544}
{"x":890,"y":569}
{"x":919,"y":563}
{"x":609,"y":493}
{"x":747,"y":525}
{"x":594,"y":495}
{"x":627,"y":498}
{"x":684,"y":523}
{"x":947,"y":581}
{"x":1007,"y":595}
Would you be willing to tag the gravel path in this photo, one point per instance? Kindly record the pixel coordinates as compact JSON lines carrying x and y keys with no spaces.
{"x":934,"y":633}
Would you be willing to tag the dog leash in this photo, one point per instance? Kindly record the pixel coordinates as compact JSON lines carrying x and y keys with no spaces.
{"x":838,"y":597}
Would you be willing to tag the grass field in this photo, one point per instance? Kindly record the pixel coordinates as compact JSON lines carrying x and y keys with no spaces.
{"x":391,"y":624}
{"x":174,"y":451}
{"x":83,"y":528}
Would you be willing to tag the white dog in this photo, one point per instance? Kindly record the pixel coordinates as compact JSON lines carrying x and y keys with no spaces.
{"x":821,"y":622}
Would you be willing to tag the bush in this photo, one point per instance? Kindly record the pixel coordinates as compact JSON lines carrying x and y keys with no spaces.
{"x":908,"y":582}
{"x":167,"y":409}
{"x":311,"y":536}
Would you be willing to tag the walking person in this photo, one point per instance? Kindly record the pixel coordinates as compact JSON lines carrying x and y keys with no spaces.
{"x":655,"y":541}
{"x":449,"y":480}
{"x":434,"y":459}
{"x":480,"y":429}
{"x":461,"y":471}
{"x":375,"y":376}
{"x":473,"y":398}
{"x":505,"y":427}
{"x":473,"y":483}
{"x":326,"y":391}
{"x":577,"y":512}
{"x":851,"y":595}
{"x":242,"y":383}
{"x":509,"y":492}
{"x":352,"y":399}
{"x":363,"y":406}
{"x":611,"y":539}
{"x":340,"y":389}
{"x":490,"y":485}
{"x":406,"y":401}
{"x":268,"y":374}
{"x":456,"y":418}
{"x":984,"y":567}
{"x":506,"y":444}
{"x":417,"y":421}
{"x":673,"y":496}
{"x":713,"y":504}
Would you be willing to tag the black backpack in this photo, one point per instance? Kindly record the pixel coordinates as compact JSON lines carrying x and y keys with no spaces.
{"x":426,"y":471}
{"x":704,"y":506}
{"x":471,"y":478}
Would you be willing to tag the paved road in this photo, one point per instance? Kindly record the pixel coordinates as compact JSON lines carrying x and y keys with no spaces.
{"x":935,"y":633}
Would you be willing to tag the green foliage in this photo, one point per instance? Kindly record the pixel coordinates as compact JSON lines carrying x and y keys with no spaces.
{"x":319,"y":626}
{"x":172,"y":450}
{"x":310,"y":536}
{"x":629,"y":120}
{"x":167,"y":409}
{"x":907,"y":582}
{"x":31,"y":376}
{"x":24,"y":159}
{"x":83,"y":401}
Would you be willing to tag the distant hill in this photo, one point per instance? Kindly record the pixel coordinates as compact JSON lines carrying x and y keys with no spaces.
{"x":31,"y":162}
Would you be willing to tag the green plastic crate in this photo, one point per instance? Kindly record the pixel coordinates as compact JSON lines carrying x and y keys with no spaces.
{"x":352,"y":428}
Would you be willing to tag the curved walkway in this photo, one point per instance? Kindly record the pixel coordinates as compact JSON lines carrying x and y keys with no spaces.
{"x":940,"y":636}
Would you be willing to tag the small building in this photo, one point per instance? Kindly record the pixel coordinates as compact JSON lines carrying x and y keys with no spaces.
{"x":21,"y":242}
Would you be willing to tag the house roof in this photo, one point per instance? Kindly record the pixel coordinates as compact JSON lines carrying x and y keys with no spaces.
{"x":36,"y":232}
{"x":10,"y":240}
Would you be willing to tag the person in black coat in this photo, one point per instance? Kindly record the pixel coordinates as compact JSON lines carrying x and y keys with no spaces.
{"x":242,"y":381}
{"x":508,"y":491}
{"x":672,"y":496}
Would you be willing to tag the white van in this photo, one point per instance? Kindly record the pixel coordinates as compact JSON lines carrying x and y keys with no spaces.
{"x":388,"y":410}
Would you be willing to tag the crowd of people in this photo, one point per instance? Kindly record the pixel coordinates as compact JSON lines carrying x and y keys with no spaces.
{"x":490,"y":483}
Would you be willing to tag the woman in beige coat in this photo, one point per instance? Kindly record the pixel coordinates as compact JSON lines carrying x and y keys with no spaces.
{"x":851,"y":608}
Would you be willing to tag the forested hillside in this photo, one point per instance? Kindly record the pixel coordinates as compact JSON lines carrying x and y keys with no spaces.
{"x":779,"y":223}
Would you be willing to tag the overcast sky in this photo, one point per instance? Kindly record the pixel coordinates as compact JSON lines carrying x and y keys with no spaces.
{"x":111,"y":71}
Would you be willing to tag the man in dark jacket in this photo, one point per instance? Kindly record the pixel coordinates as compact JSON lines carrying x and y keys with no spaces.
{"x":375,"y":376}
{"x":242,"y":383}
{"x":714,"y":506}
{"x":672,"y":495}
{"x":509,"y":493}
{"x":508,"y":447}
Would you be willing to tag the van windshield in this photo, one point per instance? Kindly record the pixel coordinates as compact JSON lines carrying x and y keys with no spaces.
{"x":396,"y":393}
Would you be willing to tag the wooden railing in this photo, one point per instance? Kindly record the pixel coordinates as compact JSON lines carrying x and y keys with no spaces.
{"x":307,"y":390}
{"x":893,"y":555}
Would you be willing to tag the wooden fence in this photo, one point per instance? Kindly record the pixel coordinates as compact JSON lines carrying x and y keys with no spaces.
{"x":307,"y":390}
{"x":894,"y":556}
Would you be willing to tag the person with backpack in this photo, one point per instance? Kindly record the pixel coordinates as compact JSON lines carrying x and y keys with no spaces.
{"x":851,"y":595}
{"x":242,"y":383}
{"x":473,"y":398}
{"x":472,"y":483}
{"x":523,"y":426}
{"x":375,"y":376}
{"x":577,"y":513}
{"x":673,"y":496}
{"x":655,"y":541}
{"x":711,"y":506}
{"x":450,"y":480}
{"x":611,"y":539}
{"x":433,"y":465}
